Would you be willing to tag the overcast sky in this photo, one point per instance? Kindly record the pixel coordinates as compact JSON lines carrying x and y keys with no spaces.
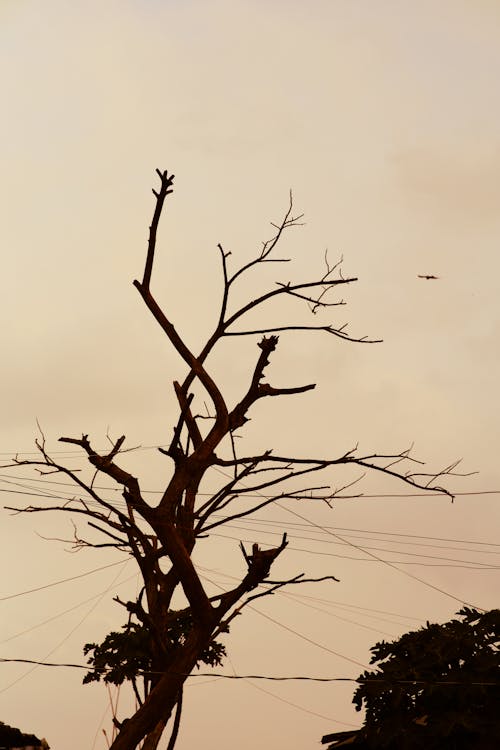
{"x":383,"y":117}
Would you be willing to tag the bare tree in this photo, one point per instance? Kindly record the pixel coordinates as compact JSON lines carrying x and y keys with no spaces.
{"x":161,"y":537}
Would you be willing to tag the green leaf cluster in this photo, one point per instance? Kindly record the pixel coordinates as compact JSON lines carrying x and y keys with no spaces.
{"x":437,"y":687}
{"x":128,"y":653}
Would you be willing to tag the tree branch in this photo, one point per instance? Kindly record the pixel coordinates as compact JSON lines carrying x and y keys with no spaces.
{"x":165,"y":189}
{"x":196,"y":366}
{"x":282,"y":289}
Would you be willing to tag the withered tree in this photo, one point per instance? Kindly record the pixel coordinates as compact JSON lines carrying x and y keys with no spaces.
{"x":161,"y":538}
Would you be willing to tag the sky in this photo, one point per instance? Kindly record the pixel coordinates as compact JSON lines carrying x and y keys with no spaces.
{"x":383,"y":118}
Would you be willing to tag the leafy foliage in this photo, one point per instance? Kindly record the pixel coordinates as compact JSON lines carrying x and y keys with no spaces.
{"x":13,"y":737}
{"x":127,"y":654}
{"x":437,"y":687}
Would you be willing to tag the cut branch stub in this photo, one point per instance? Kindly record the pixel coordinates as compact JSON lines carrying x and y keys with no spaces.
{"x":260,"y":561}
{"x":268,"y":344}
{"x":237,"y":417}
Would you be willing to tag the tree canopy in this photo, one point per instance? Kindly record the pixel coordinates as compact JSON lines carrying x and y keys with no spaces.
{"x":128,"y":654}
{"x":11,"y":737}
{"x":436,"y":687}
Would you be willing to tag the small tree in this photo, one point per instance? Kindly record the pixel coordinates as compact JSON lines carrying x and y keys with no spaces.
{"x":161,"y":538}
{"x":437,"y":687}
{"x":128,"y":656}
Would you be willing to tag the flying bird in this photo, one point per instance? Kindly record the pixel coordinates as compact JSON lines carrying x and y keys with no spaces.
{"x":427,"y":276}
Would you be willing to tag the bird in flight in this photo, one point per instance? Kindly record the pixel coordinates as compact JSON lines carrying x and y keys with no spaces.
{"x":426,"y":276}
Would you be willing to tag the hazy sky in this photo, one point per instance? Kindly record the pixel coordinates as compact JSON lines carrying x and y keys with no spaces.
{"x":384,"y":119}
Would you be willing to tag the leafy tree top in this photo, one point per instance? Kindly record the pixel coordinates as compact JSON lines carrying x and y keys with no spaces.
{"x":128,"y":654}
{"x":437,"y":687}
{"x":13,"y":737}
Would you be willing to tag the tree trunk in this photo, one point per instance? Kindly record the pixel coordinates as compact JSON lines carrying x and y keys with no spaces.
{"x":153,"y":738}
{"x":163,"y":697}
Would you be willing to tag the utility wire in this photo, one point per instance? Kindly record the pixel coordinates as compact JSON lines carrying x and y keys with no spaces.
{"x":391,"y":565}
{"x":466,"y":565}
{"x":80,"y":453}
{"x":380,"y":549}
{"x":304,"y":526}
{"x":363,"y":609}
{"x":293,"y":598}
{"x":62,"y":580}
{"x":371,"y":554}
{"x":58,"y":645}
{"x":290,"y":703}
{"x":272,"y":678}
{"x":309,"y":640}
{"x":294,"y":632}
{"x":122,"y":505}
{"x":381,"y":495}
{"x":299,"y":597}
{"x":65,"y":612}
{"x":302,"y":708}
{"x":296,"y":596}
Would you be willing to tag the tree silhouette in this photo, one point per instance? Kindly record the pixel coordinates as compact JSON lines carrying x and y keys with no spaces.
{"x":437,"y":687}
{"x":161,"y":538}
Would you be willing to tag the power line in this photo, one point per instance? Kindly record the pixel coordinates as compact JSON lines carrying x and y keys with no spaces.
{"x":290,"y":703}
{"x":58,"y":645}
{"x":77,"y":452}
{"x":293,"y":598}
{"x":466,"y":566}
{"x":466,"y":563}
{"x":391,"y":565}
{"x":309,"y":640}
{"x":62,"y":580}
{"x":301,"y":708}
{"x":300,"y":597}
{"x":295,"y":632}
{"x":380,"y":549}
{"x":371,"y":554}
{"x":269,"y":522}
{"x":323,"y":528}
{"x":364,"y":610}
{"x":329,"y":602}
{"x":121,"y":504}
{"x":272,"y":678}
{"x":381,"y":495}
{"x":309,"y":523}
{"x":65,"y":612}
